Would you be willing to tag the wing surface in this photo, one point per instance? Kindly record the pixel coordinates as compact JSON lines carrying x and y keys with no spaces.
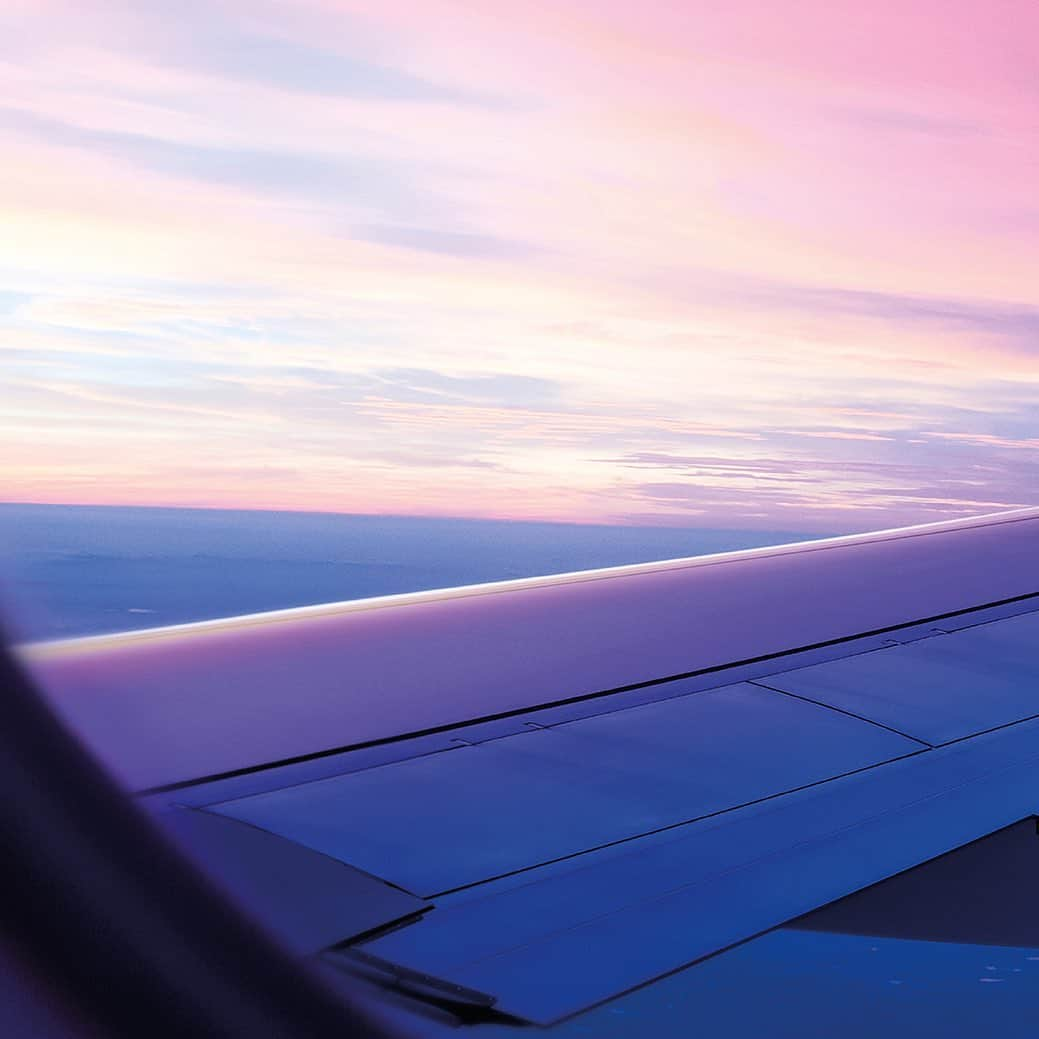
{"x":597,"y":779}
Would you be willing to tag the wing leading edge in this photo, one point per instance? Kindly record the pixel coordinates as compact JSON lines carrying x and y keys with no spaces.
{"x":178,"y":704}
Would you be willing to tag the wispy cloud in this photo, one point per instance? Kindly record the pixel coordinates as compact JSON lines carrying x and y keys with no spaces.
{"x":593,"y":262}
{"x":446,"y":243}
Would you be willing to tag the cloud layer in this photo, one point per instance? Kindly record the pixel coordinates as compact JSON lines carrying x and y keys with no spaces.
{"x":734,"y":265}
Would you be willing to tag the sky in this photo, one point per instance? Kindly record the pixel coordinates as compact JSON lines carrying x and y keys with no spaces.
{"x":749,"y":265}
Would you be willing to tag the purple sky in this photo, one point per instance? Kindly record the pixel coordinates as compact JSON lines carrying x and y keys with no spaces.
{"x":747,"y":264}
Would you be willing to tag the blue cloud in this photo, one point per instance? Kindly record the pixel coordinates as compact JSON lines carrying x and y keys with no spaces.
{"x":1003,"y":319}
{"x":247,"y":43}
{"x":1017,"y":323}
{"x":381,"y":186}
{"x":422,"y":386}
{"x":211,"y":38}
{"x":501,"y":389}
{"x":295,"y":66}
{"x":446,"y":243}
{"x":11,"y":301}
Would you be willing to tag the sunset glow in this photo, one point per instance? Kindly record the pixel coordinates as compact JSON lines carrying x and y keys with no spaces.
{"x":747,"y":264}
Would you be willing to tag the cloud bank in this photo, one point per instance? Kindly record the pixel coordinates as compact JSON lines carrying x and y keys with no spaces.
{"x":733,"y":265}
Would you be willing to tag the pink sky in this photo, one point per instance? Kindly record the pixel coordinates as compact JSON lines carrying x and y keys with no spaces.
{"x":752,"y":264}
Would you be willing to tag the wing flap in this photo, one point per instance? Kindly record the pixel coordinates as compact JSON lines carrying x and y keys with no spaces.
{"x":455,"y":818}
{"x":936,"y":690}
{"x":555,"y":945}
{"x":307,"y":900}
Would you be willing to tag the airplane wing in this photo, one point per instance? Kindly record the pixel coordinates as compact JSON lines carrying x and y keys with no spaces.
{"x":621,"y":802}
